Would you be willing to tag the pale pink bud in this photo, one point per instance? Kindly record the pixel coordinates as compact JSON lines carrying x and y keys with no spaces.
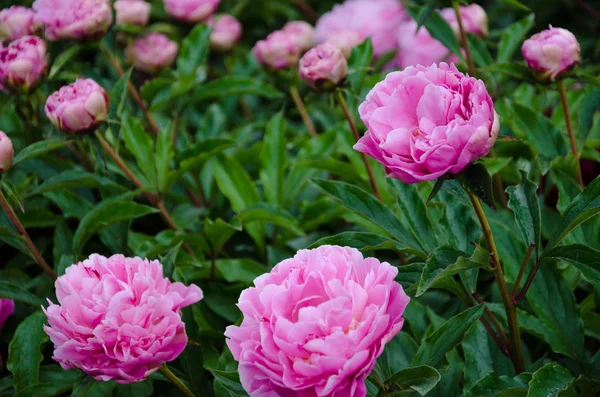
{"x":226,"y":32}
{"x":16,"y":22}
{"x":6,"y":155}
{"x":552,"y":53}
{"x":302,"y":32}
{"x":74,"y":19}
{"x":193,"y":11}
{"x":134,"y":12}
{"x":474,"y":20}
{"x":323,"y":67}
{"x":345,"y":40}
{"x":78,"y":107}
{"x":152,"y":52}
{"x":278,"y":51}
{"x":23,"y":63}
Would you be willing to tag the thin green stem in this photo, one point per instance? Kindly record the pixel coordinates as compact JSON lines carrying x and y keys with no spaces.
{"x":463,"y":38}
{"x":176,"y":381}
{"x":509,"y":304}
{"x":303,"y":112}
{"x":522,"y":269}
{"x":23,"y":233}
{"x":565,"y":105}
{"x":346,"y":110}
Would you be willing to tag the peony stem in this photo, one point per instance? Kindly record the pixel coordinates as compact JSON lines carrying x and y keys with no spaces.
{"x":528,"y":283}
{"x":132,"y":90}
{"x":307,"y":10}
{"x":565,"y":104}
{"x":159,"y":204}
{"x":509,"y":304}
{"x":303,"y":112}
{"x":463,"y":38}
{"x":522,"y":269}
{"x":23,"y":233}
{"x":352,"y":124}
{"x":176,"y":381}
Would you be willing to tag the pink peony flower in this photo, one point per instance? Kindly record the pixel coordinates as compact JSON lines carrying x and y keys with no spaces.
{"x":425,"y":122}
{"x":474,"y":20}
{"x":191,"y":10}
{"x":377,"y":19}
{"x":345,"y":40}
{"x":78,"y":107}
{"x":323,"y":67}
{"x":134,"y":12}
{"x":419,"y":48}
{"x":316,"y":324}
{"x":7,"y":307}
{"x":118,"y":318}
{"x":7,"y":154}
{"x":302,"y":32}
{"x":74,"y":19}
{"x":152,"y":52}
{"x":552,"y":54}
{"x":278,"y":51}
{"x":226,"y":32}
{"x":16,"y":22}
{"x":23,"y":63}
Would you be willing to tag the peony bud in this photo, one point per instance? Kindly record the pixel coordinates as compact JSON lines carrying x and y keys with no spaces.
{"x":74,"y":19}
{"x":302,"y":32}
{"x":118,"y":318}
{"x":152,"y":52}
{"x":23,"y":63}
{"x":323,"y":67}
{"x":278,"y":51}
{"x":78,"y":107}
{"x":193,"y":11}
{"x":474,"y":20}
{"x":345,"y":40}
{"x":552,"y":54}
{"x":16,"y":22}
{"x":134,"y":12}
{"x":7,"y":153}
{"x":226,"y":32}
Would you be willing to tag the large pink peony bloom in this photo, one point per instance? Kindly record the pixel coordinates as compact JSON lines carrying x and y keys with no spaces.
{"x":377,"y":19}
{"x":23,"y":63}
{"x":316,"y":324}
{"x":323,"y":67}
{"x":279,"y":50}
{"x":74,"y":19}
{"x":78,"y":107}
{"x":7,"y":307}
{"x":118,"y":318}
{"x":191,"y":10}
{"x":425,"y":122}
{"x":152,"y":52}
{"x":552,"y":53}
{"x":7,"y":154}
{"x":16,"y":22}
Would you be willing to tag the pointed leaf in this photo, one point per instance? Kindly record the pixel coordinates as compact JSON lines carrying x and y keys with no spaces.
{"x":24,"y":355}
{"x":476,"y":179}
{"x":39,"y":148}
{"x":549,"y":381}
{"x":526,"y":207}
{"x":584,"y":258}
{"x":272,"y":158}
{"x":16,"y":293}
{"x":512,"y":38}
{"x":141,"y":145}
{"x":420,"y":379}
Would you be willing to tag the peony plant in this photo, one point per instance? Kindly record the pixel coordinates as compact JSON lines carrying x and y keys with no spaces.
{"x":359,"y":198}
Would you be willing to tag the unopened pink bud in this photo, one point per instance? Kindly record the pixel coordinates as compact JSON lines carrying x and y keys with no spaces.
{"x":6,"y":153}
{"x":134,"y":12}
{"x":152,"y":52}
{"x":278,"y":51}
{"x":23,"y":63}
{"x":552,"y":53}
{"x":193,"y":11}
{"x":16,"y":22}
{"x":226,"y":32}
{"x":302,"y":33}
{"x":323,"y":67}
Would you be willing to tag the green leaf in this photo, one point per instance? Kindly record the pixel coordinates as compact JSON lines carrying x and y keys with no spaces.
{"x":481,"y":55}
{"x":439,"y":29}
{"x":16,"y":293}
{"x":75,"y":179}
{"x":360,"y":241}
{"x":421,"y":379}
{"x":496,"y":164}
{"x":168,"y":261}
{"x":585,"y":206}
{"x":364,"y":204}
{"x":435,"y":346}
{"x":141,"y":145}
{"x":414,"y":210}
{"x":584,"y":258}
{"x":63,"y":58}
{"x":512,"y":38}
{"x":105,"y":214}
{"x":476,"y":179}
{"x":118,"y":94}
{"x":218,"y":232}
{"x":589,"y":106}
{"x":526,"y":207}
{"x":446,"y":262}
{"x":193,"y":55}
{"x":549,"y":381}
{"x":359,"y":64}
{"x":88,"y":387}
{"x":492,"y":384}
{"x":197,"y":154}
{"x":24,"y":355}
{"x":39,"y":148}
{"x":239,"y":270}
{"x":272,"y":158}
{"x":163,"y":156}
{"x":234,"y":85}
{"x":230,"y":381}
{"x":265,"y":213}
